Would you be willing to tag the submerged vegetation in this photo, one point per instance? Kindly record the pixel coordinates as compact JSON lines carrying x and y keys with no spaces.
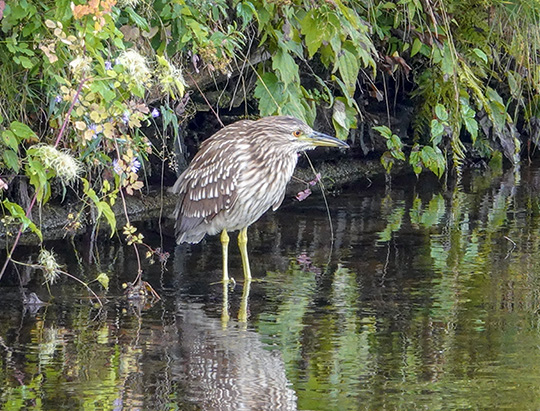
{"x":81,"y":79}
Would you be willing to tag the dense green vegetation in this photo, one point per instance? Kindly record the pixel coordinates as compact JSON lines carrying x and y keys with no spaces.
{"x":80,"y":79}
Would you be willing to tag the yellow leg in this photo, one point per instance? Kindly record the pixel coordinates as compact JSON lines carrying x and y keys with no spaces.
{"x":225,"y":307}
{"x":242,"y":244}
{"x":243,"y":312}
{"x":225,"y":251}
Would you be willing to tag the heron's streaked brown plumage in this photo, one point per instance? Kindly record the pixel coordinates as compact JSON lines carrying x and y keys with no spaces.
{"x":239,"y":173}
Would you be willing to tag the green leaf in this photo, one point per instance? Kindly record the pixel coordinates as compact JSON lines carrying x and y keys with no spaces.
{"x":343,"y":118}
{"x":38,"y":177}
{"x":384,"y":130}
{"x":437,"y":130}
{"x":416,"y":46}
{"x":10,"y":140}
{"x":472,"y":127}
{"x":481,"y":55}
{"x":339,"y":115}
{"x":493,"y":95}
{"x":387,"y":161}
{"x":312,"y":31}
{"x":246,"y":10}
{"x":24,"y":61}
{"x":297,"y":105}
{"x":348,"y":69}
{"x":433,"y":160}
{"x":103,"y":279}
{"x":138,"y":20}
{"x":90,"y":192}
{"x":345,"y":91}
{"x":21,"y":130}
{"x":414,"y":159}
{"x":103,"y":88}
{"x":269,"y":91}
{"x":387,"y":5}
{"x":497,"y":108}
{"x":105,"y":209}
{"x":395,"y":144}
{"x":466,"y":110}
{"x":18,"y":11}
{"x":11,"y":160}
{"x":329,"y":95}
{"x":514,"y":84}
{"x":294,"y":109}
{"x":17,"y":211}
{"x":447,"y":64}
{"x":285,"y":67}
{"x":367,"y":59}
{"x":441,"y":112}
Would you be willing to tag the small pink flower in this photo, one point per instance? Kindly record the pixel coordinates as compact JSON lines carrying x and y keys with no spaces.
{"x":3,"y":185}
{"x":302,"y":195}
{"x":315,"y":180}
{"x":303,"y":259}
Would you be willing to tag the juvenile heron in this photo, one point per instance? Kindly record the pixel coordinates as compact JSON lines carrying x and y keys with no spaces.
{"x":237,"y":175}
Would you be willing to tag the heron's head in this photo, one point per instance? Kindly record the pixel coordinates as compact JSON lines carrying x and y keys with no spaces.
{"x":295,"y":133}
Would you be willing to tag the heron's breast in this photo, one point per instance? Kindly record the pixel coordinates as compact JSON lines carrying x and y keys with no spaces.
{"x":259,"y":188}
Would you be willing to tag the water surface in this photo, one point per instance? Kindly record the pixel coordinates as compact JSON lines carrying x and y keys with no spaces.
{"x":428,"y":299}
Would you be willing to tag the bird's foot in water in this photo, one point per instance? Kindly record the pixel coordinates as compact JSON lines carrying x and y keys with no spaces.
{"x":230,"y":281}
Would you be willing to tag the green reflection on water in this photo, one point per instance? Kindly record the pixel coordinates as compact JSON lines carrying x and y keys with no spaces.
{"x":430,"y":302}
{"x":470,"y":337}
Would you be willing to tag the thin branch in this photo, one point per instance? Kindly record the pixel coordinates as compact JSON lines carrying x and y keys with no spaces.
{"x":38,"y":266}
{"x":205,"y":99}
{"x":83,"y":283}
{"x":327,"y":207}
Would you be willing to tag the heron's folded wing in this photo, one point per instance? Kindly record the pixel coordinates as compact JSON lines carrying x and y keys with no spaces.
{"x":207,"y":187}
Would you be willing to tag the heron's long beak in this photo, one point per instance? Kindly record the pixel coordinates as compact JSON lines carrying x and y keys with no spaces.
{"x":323,"y":140}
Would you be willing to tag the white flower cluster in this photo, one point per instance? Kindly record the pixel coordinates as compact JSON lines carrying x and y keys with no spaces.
{"x":66,"y":167}
{"x":136,"y":65}
{"x":51,"y":269}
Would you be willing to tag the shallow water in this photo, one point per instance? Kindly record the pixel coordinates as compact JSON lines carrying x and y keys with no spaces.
{"x":428,"y":299}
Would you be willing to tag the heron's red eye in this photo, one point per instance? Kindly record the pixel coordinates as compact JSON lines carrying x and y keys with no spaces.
{"x":297,"y":133}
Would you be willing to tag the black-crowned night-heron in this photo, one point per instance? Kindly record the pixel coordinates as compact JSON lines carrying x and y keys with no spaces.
{"x":237,"y":175}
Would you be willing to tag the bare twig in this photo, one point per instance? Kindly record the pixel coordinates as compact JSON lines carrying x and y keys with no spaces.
{"x":205,"y":99}
{"x":38,"y":266}
{"x":83,"y":283}
{"x":332,"y":239}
